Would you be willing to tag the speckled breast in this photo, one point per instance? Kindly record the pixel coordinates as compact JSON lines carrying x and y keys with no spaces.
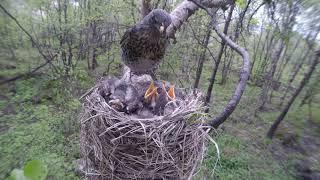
{"x":148,"y":58}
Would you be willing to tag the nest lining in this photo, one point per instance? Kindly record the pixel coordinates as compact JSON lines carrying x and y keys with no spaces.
{"x":116,"y":145}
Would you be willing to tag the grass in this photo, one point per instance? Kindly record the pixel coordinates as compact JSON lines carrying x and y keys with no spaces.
{"x":240,"y":161}
{"x":45,"y":131}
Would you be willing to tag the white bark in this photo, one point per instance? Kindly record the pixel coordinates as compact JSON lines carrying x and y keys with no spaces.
{"x":184,"y":10}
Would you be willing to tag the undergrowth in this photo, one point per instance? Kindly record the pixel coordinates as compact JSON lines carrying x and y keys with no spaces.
{"x":42,"y":124}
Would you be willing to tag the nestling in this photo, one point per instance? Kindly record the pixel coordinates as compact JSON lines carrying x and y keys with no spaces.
{"x":125,"y":98}
{"x":157,"y":97}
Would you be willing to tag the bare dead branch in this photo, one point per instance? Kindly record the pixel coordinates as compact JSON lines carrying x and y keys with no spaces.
{"x":244,"y":74}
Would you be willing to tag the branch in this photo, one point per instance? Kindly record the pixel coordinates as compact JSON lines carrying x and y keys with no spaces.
{"x":48,"y":59}
{"x":184,"y":10}
{"x":201,"y":44}
{"x":145,"y":8}
{"x":254,"y":12}
{"x":26,"y":74}
{"x":244,"y":75}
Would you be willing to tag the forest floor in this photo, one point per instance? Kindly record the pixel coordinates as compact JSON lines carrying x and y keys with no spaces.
{"x":39,"y":120}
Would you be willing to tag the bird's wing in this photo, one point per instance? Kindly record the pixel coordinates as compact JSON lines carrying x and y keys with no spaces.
{"x":130,"y":42}
{"x":142,"y":41}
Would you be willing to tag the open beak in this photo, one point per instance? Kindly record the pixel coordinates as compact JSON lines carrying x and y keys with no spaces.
{"x":171,"y":94}
{"x":161,"y":29}
{"x":151,"y":93}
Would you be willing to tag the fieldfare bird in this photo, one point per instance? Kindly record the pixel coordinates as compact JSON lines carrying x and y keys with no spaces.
{"x":143,"y":46}
{"x":125,"y":98}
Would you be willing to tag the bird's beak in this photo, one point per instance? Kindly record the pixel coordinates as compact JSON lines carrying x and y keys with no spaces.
{"x":171,"y":94}
{"x":151,"y":92}
{"x":161,"y":29}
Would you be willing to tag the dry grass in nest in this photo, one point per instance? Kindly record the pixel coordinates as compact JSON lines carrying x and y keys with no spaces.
{"x":116,"y":145}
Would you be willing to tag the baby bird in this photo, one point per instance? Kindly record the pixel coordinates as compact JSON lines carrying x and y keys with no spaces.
{"x":108,"y":86}
{"x":158,"y":97}
{"x":125,"y":98}
{"x":151,"y":95}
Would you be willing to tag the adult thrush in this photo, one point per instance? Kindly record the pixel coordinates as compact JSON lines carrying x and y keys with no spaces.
{"x":143,"y":46}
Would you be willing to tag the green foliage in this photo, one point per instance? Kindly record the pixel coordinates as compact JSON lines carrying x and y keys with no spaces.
{"x":254,"y":21}
{"x":33,"y":170}
{"x":241,"y":3}
{"x":45,"y":131}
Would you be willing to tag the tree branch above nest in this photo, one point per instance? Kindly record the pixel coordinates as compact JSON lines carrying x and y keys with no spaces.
{"x":184,"y":10}
{"x":244,"y":75}
{"x":180,"y":14}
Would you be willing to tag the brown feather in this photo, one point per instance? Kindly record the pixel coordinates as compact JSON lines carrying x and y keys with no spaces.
{"x":143,"y":46}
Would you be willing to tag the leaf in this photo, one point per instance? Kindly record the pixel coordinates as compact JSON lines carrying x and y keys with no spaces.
{"x":17,"y":174}
{"x":254,"y":21}
{"x":35,"y":170}
{"x":241,"y":3}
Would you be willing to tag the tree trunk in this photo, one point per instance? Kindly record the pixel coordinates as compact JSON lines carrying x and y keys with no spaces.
{"x":303,"y":82}
{"x":93,"y":46}
{"x":270,"y":74}
{"x":217,"y":62}
{"x":293,"y":76}
{"x":287,"y":59}
{"x":255,"y":53}
{"x":238,"y":30}
{"x":262,"y":59}
{"x":202,"y":58}
{"x":225,"y":69}
{"x":299,"y":65}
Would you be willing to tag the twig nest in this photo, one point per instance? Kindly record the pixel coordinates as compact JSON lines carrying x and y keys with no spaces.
{"x":127,"y":145}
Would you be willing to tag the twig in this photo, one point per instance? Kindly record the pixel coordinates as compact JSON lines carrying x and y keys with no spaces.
{"x":201,"y":44}
{"x":48,"y":59}
{"x":254,"y":12}
{"x":24,"y":75}
{"x":174,"y":73}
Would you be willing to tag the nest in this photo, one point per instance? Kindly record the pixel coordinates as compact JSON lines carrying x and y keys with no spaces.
{"x":117,"y":145}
